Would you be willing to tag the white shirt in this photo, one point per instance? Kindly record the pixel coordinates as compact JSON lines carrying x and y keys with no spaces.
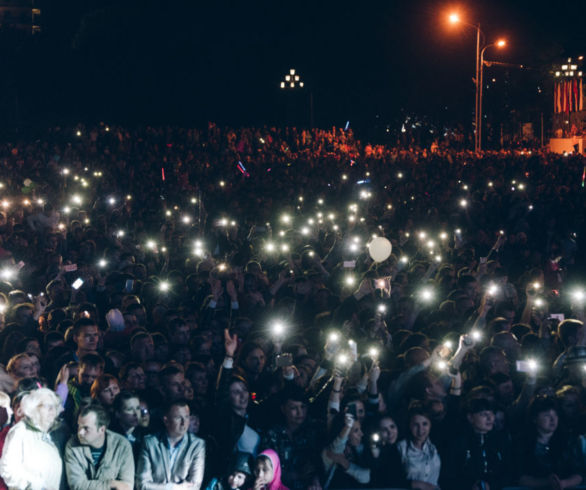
{"x":30,"y":460}
{"x":420,"y":464}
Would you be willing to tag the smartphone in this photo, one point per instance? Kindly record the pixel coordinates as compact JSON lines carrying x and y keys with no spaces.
{"x":526,"y":366}
{"x":351,"y":409}
{"x":482,"y":260}
{"x":129,"y":287}
{"x":70,"y":267}
{"x":349,"y":264}
{"x":77,"y":283}
{"x":284,"y":360}
{"x":560,"y":317}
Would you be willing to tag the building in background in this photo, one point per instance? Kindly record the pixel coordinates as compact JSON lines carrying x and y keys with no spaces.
{"x":20,"y":15}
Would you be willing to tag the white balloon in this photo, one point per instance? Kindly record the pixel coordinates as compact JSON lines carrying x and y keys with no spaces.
{"x":380,"y":249}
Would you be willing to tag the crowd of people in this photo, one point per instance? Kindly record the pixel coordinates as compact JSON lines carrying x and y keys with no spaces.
{"x":204,"y":308}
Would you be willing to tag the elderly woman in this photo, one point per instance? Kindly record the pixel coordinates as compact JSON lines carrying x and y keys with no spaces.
{"x":30,"y":459}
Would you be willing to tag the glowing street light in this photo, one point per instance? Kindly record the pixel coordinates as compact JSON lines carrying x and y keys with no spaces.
{"x":454,"y":18}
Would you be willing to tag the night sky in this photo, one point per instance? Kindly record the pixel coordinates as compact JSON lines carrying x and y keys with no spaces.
{"x":188,"y":62}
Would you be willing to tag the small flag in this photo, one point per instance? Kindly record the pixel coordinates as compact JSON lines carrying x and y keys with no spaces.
{"x":163,"y":174}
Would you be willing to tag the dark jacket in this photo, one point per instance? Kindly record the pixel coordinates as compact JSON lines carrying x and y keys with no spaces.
{"x":470,"y":457}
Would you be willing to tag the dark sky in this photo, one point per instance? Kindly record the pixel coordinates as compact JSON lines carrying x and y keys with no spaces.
{"x":190,"y":61}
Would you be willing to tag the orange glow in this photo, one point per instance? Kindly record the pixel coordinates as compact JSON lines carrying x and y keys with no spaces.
{"x":454,"y":18}
{"x":501,"y":43}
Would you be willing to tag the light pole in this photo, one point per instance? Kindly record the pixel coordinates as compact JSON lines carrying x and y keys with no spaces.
{"x":455,"y":18}
{"x":500,"y":44}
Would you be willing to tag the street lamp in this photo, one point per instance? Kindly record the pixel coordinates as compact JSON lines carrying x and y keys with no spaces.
{"x":501,"y":43}
{"x":454,"y":18}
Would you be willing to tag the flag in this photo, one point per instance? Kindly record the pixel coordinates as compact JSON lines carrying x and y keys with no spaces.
{"x":581,"y":97}
{"x":575,"y":95}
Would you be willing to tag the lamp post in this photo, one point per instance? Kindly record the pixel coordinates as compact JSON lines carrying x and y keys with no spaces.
{"x":500,"y":44}
{"x":293,"y":81}
{"x":455,"y":18}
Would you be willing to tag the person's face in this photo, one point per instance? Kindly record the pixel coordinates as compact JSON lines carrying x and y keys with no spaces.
{"x":200,"y":383}
{"x":236,"y":480}
{"x":419,"y":427}
{"x":129,"y":413}
{"x":194,"y":424}
{"x":136,"y":379}
{"x":570,"y":405}
{"x":24,"y":367}
{"x":180,"y":335}
{"x":264,"y":471}
{"x":295,"y":413}
{"x":88,"y":432}
{"x":108,"y":394}
{"x":47,"y":414}
{"x":482,"y":422}
{"x":255,"y":361}
{"x":506,"y":391}
{"x":238,"y":396}
{"x":175,"y":386}
{"x":188,"y":389}
{"x":177,"y":421}
{"x":33,"y":347}
{"x":547,"y":421}
{"x":88,"y":337}
{"x":356,"y":434}
{"x":144,"y":349}
{"x":88,"y":374}
{"x":388,"y":431}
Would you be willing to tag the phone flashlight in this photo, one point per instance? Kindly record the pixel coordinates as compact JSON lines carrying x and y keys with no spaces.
{"x":334,"y":337}
{"x":381,"y":308}
{"x":373,"y":352}
{"x":278,"y":328}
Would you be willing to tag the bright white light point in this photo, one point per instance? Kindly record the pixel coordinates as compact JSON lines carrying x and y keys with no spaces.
{"x":458,"y":231}
{"x":351,"y":218}
{"x":441,"y":365}
{"x":381,"y":308}
{"x":164,"y":286}
{"x":151,"y":244}
{"x":404,"y":259}
{"x":400,"y":175}
{"x":320,"y":201}
{"x":389,"y":206}
{"x":343,"y":359}
{"x":532,"y":364}
{"x":102,"y":263}
{"x":120,"y":233}
{"x":186,"y":219}
{"x":373,"y":352}
{"x":300,"y":198}
{"x":448,"y":344}
{"x":335,"y":227}
{"x":76,"y":198}
{"x":344,"y":177}
{"x":284,"y":247}
{"x":334,"y":337}
{"x":463,"y":203}
{"x":305,"y":230}
{"x":331,"y":216}
{"x":350,"y":280}
{"x":281,"y":233}
{"x":476,"y":335}
{"x":168,"y":213}
{"x":422,"y":235}
{"x":443,"y":235}
{"x":193,"y":200}
{"x":538,"y":302}
{"x":438,"y":258}
{"x":222,"y":183}
{"x":232,"y":223}
{"x":286,"y":219}
{"x":65,"y":171}
{"x":111,"y":201}
{"x":430,"y":244}
{"x":278,"y":328}
{"x":353,"y":247}
{"x":66,"y":209}
{"x":270,"y":247}
{"x":426,"y":294}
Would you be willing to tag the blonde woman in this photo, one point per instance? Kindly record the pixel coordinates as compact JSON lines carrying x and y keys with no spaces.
{"x":30,"y":459}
